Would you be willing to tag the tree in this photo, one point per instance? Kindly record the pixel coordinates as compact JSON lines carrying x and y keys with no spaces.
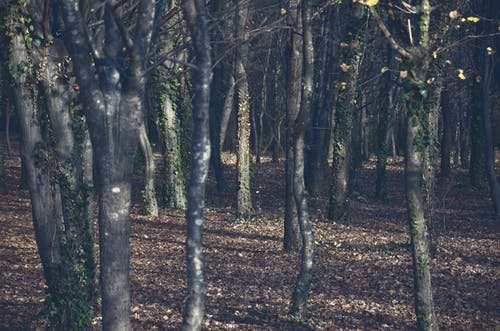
{"x":57,"y":162}
{"x":109,"y":65}
{"x":301,"y":290}
{"x":351,"y":50}
{"x":415,"y":89}
{"x":243,"y":100}
{"x":196,"y":20}
{"x":291,"y":238}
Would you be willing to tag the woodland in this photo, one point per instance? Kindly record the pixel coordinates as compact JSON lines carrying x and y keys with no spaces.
{"x":249,"y":164}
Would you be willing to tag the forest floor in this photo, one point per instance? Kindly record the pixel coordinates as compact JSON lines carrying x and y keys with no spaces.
{"x":362,"y":273}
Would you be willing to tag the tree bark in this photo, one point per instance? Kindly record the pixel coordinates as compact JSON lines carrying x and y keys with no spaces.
{"x":175,"y":191}
{"x":244,"y":205}
{"x":301,"y":290}
{"x":488,"y":141}
{"x":346,"y":102}
{"x":195,"y":14}
{"x":56,"y":173}
{"x":113,"y":100}
{"x":150,"y":206}
{"x":291,"y":238}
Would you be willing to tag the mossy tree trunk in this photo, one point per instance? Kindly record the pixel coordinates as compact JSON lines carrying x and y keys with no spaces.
{"x":351,"y":54}
{"x":174,"y":185}
{"x":113,"y":100}
{"x":57,"y":165}
{"x":415,"y":90}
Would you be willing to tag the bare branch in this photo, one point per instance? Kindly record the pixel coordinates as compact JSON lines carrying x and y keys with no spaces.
{"x":394,"y":44}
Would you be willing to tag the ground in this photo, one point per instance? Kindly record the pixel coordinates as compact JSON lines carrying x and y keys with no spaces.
{"x":362,"y":275}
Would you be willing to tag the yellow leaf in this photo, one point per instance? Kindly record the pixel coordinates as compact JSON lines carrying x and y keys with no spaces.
{"x":369,"y":3}
{"x":461,"y":74}
{"x":473,"y":19}
{"x":490,"y":51}
{"x":283,"y":11}
{"x":343,"y":44}
{"x":384,"y":69}
{"x":453,"y":14}
{"x":345,"y":67}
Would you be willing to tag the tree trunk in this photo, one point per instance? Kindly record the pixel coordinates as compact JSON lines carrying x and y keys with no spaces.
{"x":419,"y":233}
{"x":449,"y":121}
{"x":488,"y":143}
{"x":174,"y":186}
{"x":56,"y":174}
{"x":301,"y":290}
{"x":218,"y":89}
{"x":243,"y":154}
{"x":316,"y":172}
{"x":291,"y":238}
{"x":150,"y":206}
{"x":228,"y":109}
{"x":114,"y":115}
{"x":195,"y":14}
{"x":346,"y":102}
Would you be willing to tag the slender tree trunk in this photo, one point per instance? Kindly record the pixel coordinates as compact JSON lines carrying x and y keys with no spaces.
{"x":448,"y":122}
{"x":243,"y":154}
{"x":291,"y":239}
{"x":218,"y":89}
{"x":195,"y":14}
{"x":488,"y":143}
{"x":301,"y":290}
{"x":149,"y":192}
{"x":228,"y":109}
{"x":316,"y":172}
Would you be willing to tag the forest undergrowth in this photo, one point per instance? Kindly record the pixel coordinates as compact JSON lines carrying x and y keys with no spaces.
{"x":362,"y":276}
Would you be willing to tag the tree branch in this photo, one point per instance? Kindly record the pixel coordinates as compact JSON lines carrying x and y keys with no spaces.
{"x":394,"y":44}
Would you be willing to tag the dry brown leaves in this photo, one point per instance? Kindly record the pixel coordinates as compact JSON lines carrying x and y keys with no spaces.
{"x":363,"y":272}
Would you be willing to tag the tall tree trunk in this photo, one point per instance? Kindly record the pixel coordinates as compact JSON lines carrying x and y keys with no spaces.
{"x":301,"y":290}
{"x":316,"y":172}
{"x":346,"y":102}
{"x":415,"y":90}
{"x":114,"y":115}
{"x":60,"y":192}
{"x":243,"y":153}
{"x":488,"y":141}
{"x":292,"y":239}
{"x":384,"y":131}
{"x":150,"y":206}
{"x":218,"y":89}
{"x":195,"y":14}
